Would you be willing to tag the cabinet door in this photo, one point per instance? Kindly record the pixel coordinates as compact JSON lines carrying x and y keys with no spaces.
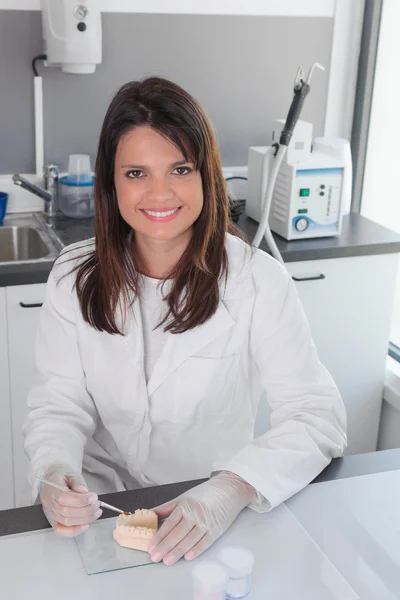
{"x":349,"y":311}
{"x":23,"y":308}
{"x":6,"y":472}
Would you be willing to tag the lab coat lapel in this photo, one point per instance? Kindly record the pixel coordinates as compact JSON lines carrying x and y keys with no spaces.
{"x":132,"y":340}
{"x":181,"y":346}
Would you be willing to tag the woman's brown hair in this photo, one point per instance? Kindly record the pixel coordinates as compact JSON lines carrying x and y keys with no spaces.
{"x":110,"y":274}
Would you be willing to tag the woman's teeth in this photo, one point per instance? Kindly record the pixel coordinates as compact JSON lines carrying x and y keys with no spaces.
{"x":167,"y":213}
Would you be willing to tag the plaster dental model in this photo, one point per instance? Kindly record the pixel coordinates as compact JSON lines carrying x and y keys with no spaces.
{"x":136,"y":530}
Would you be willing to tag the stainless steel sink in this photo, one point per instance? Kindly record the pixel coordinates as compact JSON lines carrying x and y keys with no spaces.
{"x":21,"y":244}
{"x":25,"y":238}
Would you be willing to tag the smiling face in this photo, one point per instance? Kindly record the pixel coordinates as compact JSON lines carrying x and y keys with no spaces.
{"x":160,"y":195}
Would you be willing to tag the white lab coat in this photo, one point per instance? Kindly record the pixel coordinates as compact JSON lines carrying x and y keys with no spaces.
{"x":90,"y":400}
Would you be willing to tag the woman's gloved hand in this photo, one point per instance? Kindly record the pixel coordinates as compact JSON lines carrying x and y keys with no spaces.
{"x":69,"y":513}
{"x":198,"y":517}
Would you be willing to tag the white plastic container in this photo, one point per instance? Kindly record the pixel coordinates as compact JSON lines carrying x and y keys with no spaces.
{"x":79,"y":167}
{"x":76,"y":198}
{"x":238,"y":563}
{"x":76,"y":188}
{"x":209,"y":581}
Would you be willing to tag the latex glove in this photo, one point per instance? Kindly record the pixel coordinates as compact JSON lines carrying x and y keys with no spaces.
{"x":199,"y":517}
{"x":68,"y":513}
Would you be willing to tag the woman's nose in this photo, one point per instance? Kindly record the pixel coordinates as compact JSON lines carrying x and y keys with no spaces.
{"x":160,"y":190}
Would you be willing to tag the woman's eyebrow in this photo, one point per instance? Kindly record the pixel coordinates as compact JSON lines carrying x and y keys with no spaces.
{"x":175,"y":164}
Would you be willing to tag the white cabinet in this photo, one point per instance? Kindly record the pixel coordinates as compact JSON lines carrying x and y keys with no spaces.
{"x":23,"y":308}
{"x":350,"y":312}
{"x":6,"y":459}
{"x":348,"y":302}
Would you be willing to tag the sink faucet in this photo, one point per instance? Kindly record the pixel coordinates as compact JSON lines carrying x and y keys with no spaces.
{"x":50,"y":191}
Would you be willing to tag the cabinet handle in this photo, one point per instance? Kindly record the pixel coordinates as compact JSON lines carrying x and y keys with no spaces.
{"x":38,"y":305}
{"x":313,"y":278}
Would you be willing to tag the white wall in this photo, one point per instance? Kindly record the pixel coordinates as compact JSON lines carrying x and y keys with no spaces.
{"x":313,"y":8}
{"x":380,"y":198}
{"x":344,"y":67}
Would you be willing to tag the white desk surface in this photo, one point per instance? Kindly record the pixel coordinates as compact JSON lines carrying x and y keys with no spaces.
{"x":334,"y":540}
{"x":356,"y":523}
{"x":288,"y":564}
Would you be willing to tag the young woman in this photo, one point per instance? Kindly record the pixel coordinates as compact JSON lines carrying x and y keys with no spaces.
{"x":158,"y":337}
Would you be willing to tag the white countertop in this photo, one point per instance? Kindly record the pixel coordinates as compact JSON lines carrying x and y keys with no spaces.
{"x":288,"y":564}
{"x":335,"y":540}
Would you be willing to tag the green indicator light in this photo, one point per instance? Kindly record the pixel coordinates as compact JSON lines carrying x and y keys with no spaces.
{"x":304,"y":192}
{"x":302,"y":211}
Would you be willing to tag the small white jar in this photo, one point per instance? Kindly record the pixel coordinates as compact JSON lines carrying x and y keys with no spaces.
{"x":209,"y":581}
{"x":238,"y":563}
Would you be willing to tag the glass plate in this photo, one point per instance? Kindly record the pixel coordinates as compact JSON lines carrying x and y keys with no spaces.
{"x":101,"y":553}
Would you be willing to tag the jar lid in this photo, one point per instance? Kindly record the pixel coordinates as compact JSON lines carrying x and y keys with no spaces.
{"x":77,"y":181}
{"x":237,"y":561}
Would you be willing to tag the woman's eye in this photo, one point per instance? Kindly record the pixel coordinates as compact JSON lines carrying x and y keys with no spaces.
{"x":186,"y":169}
{"x":135,"y":174}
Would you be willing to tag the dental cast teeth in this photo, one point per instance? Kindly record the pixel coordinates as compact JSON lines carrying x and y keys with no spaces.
{"x":167,"y":213}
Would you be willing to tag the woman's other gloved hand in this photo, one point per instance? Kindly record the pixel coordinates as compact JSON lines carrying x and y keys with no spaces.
{"x":199,"y":517}
{"x":69,"y":512}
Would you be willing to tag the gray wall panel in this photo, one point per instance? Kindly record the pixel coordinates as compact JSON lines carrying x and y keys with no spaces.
{"x":241,"y":68}
{"x":20,"y":41}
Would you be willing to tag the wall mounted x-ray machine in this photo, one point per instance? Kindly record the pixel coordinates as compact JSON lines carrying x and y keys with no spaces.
{"x":297,"y":187}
